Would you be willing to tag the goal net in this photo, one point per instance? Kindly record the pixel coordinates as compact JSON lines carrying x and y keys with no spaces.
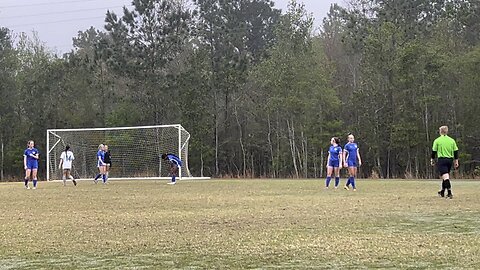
{"x":135,"y":151}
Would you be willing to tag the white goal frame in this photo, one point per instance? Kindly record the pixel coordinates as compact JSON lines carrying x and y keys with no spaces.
{"x":181,"y":147}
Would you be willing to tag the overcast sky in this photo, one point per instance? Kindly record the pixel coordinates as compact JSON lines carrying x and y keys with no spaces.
{"x":58,"y":21}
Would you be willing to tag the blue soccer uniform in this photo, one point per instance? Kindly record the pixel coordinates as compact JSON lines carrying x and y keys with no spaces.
{"x":335,"y":157}
{"x":175,"y":164}
{"x":352,"y":161}
{"x":100,"y":158}
{"x":100,"y":163}
{"x":174,"y":160}
{"x":351,"y":149}
{"x":32,"y":162}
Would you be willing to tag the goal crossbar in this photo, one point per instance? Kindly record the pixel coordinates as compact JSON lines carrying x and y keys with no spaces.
{"x":116,"y":128}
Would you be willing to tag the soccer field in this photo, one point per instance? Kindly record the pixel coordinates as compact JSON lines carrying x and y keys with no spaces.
{"x":236,"y":224}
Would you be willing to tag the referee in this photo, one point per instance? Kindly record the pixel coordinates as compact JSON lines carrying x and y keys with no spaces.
{"x":446,"y":151}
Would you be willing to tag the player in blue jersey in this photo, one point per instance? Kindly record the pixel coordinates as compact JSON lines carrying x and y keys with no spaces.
{"x":351,"y":156}
{"x":30,"y":163}
{"x":335,"y":161}
{"x":175,"y":163}
{"x":101,"y":164}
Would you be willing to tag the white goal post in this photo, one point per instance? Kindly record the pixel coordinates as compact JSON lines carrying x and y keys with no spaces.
{"x":135,"y":151}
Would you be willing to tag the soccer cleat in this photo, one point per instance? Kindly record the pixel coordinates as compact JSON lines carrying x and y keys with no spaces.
{"x":74,"y":182}
{"x":95,"y":181}
{"x":346,"y":188}
{"x":441,"y":193}
{"x":450,"y":196}
{"x":27,"y":187}
{"x":354,"y":189}
{"x":171,"y":183}
{"x":34,"y":187}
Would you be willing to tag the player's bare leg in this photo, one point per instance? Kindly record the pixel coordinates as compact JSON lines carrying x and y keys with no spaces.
{"x":69,"y":176}
{"x":173,"y":173}
{"x":28,"y":173}
{"x":64,"y":177}
{"x":34,"y":176}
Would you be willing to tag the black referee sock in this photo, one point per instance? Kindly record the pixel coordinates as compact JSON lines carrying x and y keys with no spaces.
{"x":448,"y":186}
{"x":444,"y":185}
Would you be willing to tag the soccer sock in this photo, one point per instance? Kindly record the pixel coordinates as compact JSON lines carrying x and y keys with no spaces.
{"x":443,"y":185}
{"x":173,"y":178}
{"x":98,"y":176}
{"x":337,"y":181}
{"x":353,"y":182}
{"x":327,"y":182}
{"x":34,"y":183}
{"x":26,"y":182}
{"x":71,"y":178}
{"x":104,"y":178}
{"x":348,"y":182}
{"x":448,"y":186}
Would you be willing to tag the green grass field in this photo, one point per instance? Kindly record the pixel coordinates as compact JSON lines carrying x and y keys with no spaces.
{"x":238,"y":224}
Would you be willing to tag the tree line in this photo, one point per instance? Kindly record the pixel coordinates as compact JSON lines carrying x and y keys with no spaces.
{"x":261,"y":91}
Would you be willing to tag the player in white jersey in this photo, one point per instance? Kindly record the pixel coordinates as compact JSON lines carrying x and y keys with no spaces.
{"x":66,"y":160}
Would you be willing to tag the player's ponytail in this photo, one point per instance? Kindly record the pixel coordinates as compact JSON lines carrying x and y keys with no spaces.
{"x":337,"y":140}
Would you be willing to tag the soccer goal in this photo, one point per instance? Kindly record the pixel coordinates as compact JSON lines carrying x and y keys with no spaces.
{"x":135,"y":151}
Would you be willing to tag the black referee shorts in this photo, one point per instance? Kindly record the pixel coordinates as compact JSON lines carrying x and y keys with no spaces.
{"x":444,"y":165}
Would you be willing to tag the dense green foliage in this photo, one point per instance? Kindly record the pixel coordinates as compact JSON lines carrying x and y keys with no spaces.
{"x":260,"y":91}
